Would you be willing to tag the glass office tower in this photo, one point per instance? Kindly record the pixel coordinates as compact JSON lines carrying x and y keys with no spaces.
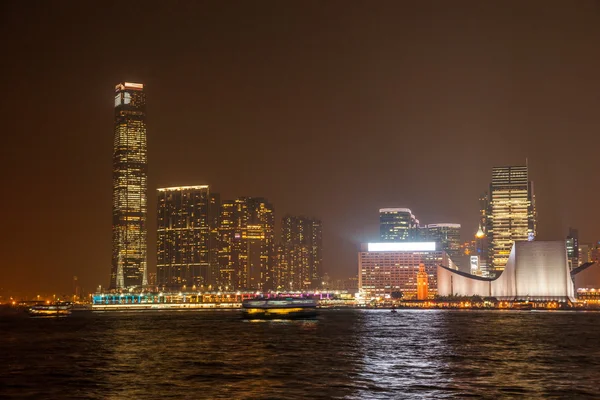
{"x":447,"y":235}
{"x":130,"y":188}
{"x":512,"y":215}
{"x":398,"y":224}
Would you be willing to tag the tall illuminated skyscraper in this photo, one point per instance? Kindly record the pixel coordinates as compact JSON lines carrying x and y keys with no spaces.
{"x":185,"y":246}
{"x":130,"y":188}
{"x":246,"y":244}
{"x":512,"y":215}
{"x":303,"y":248}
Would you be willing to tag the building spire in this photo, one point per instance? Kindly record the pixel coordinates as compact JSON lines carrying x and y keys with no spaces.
{"x":480,"y":234}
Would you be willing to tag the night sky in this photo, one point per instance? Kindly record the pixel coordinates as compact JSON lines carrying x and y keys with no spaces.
{"x":329,"y":109}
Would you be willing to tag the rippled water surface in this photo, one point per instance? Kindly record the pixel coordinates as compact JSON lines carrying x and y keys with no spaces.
{"x":354,"y":354}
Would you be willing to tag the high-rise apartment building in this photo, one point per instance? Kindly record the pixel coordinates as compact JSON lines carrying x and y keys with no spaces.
{"x":246,"y":252}
{"x":186,"y":247}
{"x":397,"y":225}
{"x":512,"y":214}
{"x":302,"y":240}
{"x":214,"y":222}
{"x":283,"y":276}
{"x":130,"y":188}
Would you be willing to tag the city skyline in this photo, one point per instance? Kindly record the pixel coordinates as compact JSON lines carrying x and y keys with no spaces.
{"x":299,"y":199}
{"x":308,"y":110}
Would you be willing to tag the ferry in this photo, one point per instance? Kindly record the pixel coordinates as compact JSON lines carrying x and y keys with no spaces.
{"x":279,"y":308}
{"x":525,"y":306}
{"x":56,"y":309}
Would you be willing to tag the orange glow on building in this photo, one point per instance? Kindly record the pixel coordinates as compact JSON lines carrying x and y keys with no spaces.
{"x":422,"y":283}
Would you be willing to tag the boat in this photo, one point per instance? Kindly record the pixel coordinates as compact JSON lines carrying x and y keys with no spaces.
{"x":55,"y":309}
{"x":279,"y":308}
{"x":522,"y":306}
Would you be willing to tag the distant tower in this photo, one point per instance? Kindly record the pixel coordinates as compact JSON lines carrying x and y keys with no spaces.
{"x":130,"y":188}
{"x":422,"y":283}
{"x":481,"y":242}
{"x":573,"y":248}
{"x":512,"y":212}
{"x":76,"y":289}
{"x":485,"y":228}
{"x":447,"y":235}
{"x":303,"y":248}
{"x":397,"y":225}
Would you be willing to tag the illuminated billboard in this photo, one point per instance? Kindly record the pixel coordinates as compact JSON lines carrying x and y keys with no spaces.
{"x":401,"y":246}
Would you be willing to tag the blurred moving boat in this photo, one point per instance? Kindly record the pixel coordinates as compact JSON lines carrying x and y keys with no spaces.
{"x":55,"y":309}
{"x":523,"y":306}
{"x":279,"y":308}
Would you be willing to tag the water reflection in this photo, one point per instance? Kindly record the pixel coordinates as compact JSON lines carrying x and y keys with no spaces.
{"x":354,"y":354}
{"x":400,"y":355}
{"x":522,"y":353}
{"x":221,"y":356}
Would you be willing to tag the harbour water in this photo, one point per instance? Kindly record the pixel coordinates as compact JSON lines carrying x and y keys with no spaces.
{"x":344,"y":354}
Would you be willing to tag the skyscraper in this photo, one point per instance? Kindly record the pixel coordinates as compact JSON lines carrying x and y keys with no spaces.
{"x":130,"y":188}
{"x":448,"y":237}
{"x":302,"y":240}
{"x":483,"y":236}
{"x":246,"y":244}
{"x":479,"y":261}
{"x":186,"y":222}
{"x":512,"y":215}
{"x":397,"y":224}
{"x":573,"y":248}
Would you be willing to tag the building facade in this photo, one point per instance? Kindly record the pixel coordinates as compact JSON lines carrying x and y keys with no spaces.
{"x":512,"y":213}
{"x":384,"y":268}
{"x":448,"y":237}
{"x":573,"y":248}
{"x":535,"y":271}
{"x":422,"y":283}
{"x":302,"y":241}
{"x":130,"y":188}
{"x":185,"y":243}
{"x":585,"y":253}
{"x":483,"y":235}
{"x":397,"y":225}
{"x":246,"y":248}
